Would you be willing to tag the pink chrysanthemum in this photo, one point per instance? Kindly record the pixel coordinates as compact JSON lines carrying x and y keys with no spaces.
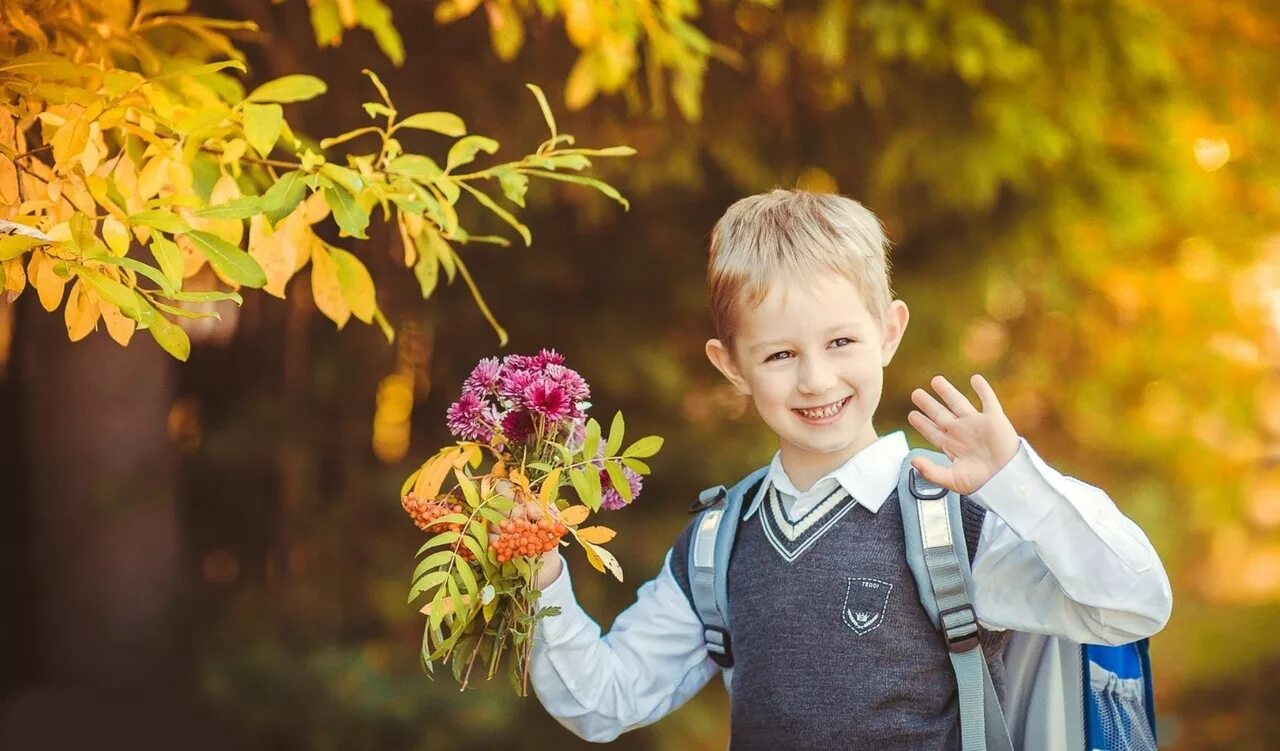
{"x":548,"y":357}
{"x":484,"y":377}
{"x":547,"y":399}
{"x":513,"y":383}
{"x":574,"y":383}
{"x":610,"y":498}
{"x":471,"y":419}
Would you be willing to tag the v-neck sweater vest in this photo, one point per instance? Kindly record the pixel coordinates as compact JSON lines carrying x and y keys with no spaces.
{"x":832,"y":648}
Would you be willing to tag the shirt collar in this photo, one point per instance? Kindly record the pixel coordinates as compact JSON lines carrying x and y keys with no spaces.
{"x":869,"y":475}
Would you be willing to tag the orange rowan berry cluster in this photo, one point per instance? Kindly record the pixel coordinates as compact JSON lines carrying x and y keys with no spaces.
{"x":425,"y":512}
{"x":523,"y":538}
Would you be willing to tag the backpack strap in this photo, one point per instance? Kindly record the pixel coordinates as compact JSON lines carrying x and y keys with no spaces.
{"x":709,"y":553}
{"x":939,"y":563}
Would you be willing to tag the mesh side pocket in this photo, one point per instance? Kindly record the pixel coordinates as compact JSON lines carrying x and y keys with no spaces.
{"x":1119,"y":708}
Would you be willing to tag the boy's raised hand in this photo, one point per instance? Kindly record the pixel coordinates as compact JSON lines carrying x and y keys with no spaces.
{"x":978,"y":443}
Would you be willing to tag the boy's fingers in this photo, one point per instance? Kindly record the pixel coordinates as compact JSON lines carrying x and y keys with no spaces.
{"x":928,"y":428}
{"x":932,"y":472}
{"x":932,"y":407}
{"x":990,"y":403}
{"x":958,"y":402}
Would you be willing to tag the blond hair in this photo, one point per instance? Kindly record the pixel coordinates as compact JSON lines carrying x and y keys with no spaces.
{"x":793,"y":234}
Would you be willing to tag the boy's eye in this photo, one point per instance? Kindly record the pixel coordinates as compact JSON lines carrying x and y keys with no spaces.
{"x":778,"y":356}
{"x":842,"y":341}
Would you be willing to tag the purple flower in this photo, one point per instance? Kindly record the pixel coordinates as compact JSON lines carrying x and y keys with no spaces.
{"x":548,"y":357}
{"x":484,"y":377}
{"x":520,"y":362}
{"x":513,"y":383}
{"x":471,"y":419}
{"x":570,"y":379}
{"x":547,"y":399}
{"x":517,"y":426}
{"x":610,"y":498}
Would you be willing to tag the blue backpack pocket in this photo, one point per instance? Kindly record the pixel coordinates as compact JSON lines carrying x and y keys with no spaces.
{"x":1119,"y":707}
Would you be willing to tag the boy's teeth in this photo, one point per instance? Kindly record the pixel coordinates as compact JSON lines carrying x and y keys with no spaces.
{"x":818,"y":414}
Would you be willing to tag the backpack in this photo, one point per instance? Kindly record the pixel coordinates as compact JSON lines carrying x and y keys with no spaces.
{"x":1059,"y":695}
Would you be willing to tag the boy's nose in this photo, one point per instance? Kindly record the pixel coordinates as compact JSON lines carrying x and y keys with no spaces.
{"x":816,"y":377}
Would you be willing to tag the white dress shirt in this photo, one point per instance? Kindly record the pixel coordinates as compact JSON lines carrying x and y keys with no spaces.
{"x":1055,"y":556}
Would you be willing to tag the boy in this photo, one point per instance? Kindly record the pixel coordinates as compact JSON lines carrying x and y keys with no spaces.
{"x":805,"y":325}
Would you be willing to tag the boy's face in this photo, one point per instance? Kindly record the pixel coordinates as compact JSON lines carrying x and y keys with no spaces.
{"x":812,"y":357}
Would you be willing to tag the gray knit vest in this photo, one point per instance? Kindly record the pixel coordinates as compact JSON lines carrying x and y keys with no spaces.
{"x":832,"y":648}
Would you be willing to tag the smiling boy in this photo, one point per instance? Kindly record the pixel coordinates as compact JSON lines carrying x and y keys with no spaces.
{"x":805,"y":325}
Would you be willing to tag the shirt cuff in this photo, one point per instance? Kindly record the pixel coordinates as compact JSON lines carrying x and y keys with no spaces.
{"x":1019,"y":493}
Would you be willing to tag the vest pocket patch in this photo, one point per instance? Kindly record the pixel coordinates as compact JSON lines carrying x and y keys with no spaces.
{"x":865,"y":603}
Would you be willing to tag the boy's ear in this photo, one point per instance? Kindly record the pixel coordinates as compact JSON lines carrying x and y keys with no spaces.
{"x":895,"y":325}
{"x":722,"y":358}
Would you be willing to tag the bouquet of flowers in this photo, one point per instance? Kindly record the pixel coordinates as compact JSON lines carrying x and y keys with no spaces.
{"x":492,"y":504}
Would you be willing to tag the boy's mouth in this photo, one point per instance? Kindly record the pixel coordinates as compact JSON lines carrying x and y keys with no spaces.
{"x":825,"y":413}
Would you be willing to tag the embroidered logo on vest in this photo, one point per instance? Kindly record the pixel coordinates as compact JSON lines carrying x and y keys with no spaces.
{"x":865,"y":603}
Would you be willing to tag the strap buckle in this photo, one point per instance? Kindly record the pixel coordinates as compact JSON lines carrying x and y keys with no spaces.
{"x":962,"y":635}
{"x":719,"y":645}
{"x":708,"y":498}
{"x":922,"y":488}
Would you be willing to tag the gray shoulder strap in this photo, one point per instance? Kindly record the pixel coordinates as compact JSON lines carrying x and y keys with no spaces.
{"x":939,"y":562}
{"x":709,"y":562}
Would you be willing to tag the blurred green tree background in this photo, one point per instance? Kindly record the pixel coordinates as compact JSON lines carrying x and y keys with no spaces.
{"x":1084,"y":206}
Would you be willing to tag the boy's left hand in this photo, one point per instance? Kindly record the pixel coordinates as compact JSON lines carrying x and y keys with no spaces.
{"x":978,"y":443}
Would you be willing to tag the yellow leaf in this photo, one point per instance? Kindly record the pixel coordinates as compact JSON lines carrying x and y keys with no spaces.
{"x":356,"y":283}
{"x":232,"y":230}
{"x":117,"y":237}
{"x":581,"y":86}
{"x":192,"y":259}
{"x":434,"y":472}
{"x":276,"y":250}
{"x":81,"y":313}
{"x":118,"y":326}
{"x":607,"y":559}
{"x":550,"y":484}
{"x":68,"y":142}
{"x":597,"y":535}
{"x":592,"y":557}
{"x":575,"y":515}
{"x":48,"y":284}
{"x":406,"y":239}
{"x":448,"y":608}
{"x":580,"y":23}
{"x":15,"y":277}
{"x":152,"y":178}
{"x":325,"y":288}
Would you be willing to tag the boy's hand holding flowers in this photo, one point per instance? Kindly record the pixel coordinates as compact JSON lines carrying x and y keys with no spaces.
{"x":494,"y":535}
{"x":978,"y":443}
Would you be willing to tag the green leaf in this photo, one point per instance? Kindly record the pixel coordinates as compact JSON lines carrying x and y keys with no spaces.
{"x":439,"y":122}
{"x":229,"y":260}
{"x":377,"y":84}
{"x":619,"y":480}
{"x":165,"y":221}
{"x":211,"y":296}
{"x":350,"y":215}
{"x":343,"y":176}
{"x":464,"y":150}
{"x":344,"y":137}
{"x":240,"y":208}
{"x":373,"y":109}
{"x":282,"y":198}
{"x":644,"y":448}
{"x":427,"y":271}
{"x":262,"y":126}
{"x":603,"y":187}
{"x":356,"y":284}
{"x":170,"y":336}
{"x":15,"y":245}
{"x":168,"y":256}
{"x":615,"y":435}
{"x":514,"y":186}
{"x":415,"y":166}
{"x":387,"y":330}
{"x":635,"y":465}
{"x":293,"y":88}
{"x":502,"y":213}
{"x":591,"y":446}
{"x":432,"y":579}
{"x":112,"y":291}
{"x":138,"y":267}
{"x":546,"y":108}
